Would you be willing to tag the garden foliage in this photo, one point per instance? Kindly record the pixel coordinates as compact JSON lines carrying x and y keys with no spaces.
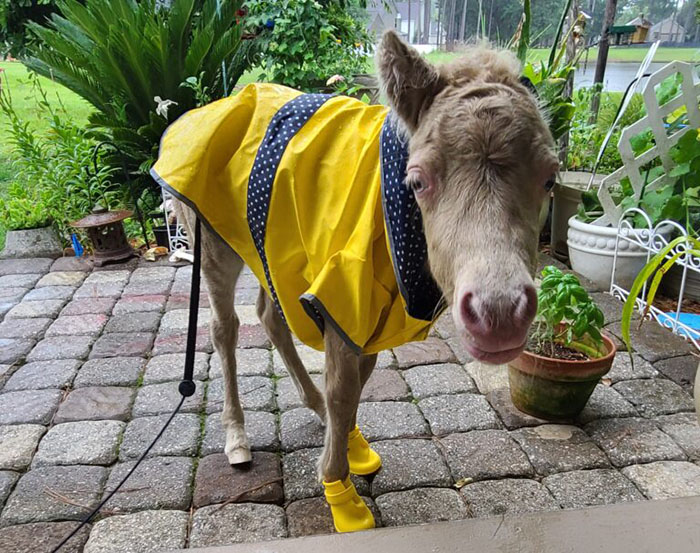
{"x":52,"y":182}
{"x":307,"y":41}
{"x":120,"y":55}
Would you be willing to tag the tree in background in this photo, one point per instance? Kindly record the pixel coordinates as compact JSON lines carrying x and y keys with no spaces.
{"x":14,"y":15}
{"x":653,"y":10}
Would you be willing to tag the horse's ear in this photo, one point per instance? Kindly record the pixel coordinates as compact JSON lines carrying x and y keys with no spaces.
{"x":408,"y":80}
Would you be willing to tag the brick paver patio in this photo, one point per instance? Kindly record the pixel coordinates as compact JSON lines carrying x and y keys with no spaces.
{"x":89,"y":367}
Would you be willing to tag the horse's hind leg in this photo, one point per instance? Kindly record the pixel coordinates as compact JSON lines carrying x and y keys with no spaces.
{"x":221,"y":267}
{"x":281,"y":338}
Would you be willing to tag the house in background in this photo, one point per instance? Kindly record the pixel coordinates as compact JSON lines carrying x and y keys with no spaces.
{"x":403,"y":16}
{"x":668,"y":30}
{"x":634,"y":32}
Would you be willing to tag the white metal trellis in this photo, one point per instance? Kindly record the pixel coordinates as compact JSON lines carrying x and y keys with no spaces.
{"x":177,"y":240}
{"x":650,"y":238}
{"x":653,"y":239}
{"x":654,"y":119}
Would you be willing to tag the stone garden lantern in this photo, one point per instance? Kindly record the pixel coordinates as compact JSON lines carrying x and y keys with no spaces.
{"x":106,"y":232}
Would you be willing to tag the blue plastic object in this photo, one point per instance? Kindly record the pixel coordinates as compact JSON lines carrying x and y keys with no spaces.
{"x":77,"y":247}
{"x":691,"y":320}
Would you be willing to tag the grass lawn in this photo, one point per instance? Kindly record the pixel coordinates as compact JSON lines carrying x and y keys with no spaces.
{"x":616,"y":53}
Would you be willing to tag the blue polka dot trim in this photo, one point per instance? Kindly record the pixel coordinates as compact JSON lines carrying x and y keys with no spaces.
{"x":409,"y":251}
{"x":282,"y":128}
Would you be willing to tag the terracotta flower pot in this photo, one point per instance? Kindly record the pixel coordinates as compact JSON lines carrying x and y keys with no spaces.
{"x":556,"y":389}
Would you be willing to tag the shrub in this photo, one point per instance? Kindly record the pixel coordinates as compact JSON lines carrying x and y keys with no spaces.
{"x":52,"y":182}
{"x":307,"y":41}
{"x":120,"y":55}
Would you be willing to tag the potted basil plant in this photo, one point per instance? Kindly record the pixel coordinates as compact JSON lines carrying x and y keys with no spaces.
{"x":566,"y":354}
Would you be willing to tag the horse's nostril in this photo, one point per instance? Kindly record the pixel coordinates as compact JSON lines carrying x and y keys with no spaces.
{"x":469,"y":316}
{"x":527,"y":306}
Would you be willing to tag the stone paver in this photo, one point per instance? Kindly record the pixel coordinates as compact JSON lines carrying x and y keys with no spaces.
{"x":168,"y":367}
{"x":653,"y":397}
{"x":43,"y":374}
{"x":422,"y":505}
{"x":249,"y":362}
{"x":216,"y":525}
{"x":12,"y":351}
{"x":176,"y":342}
{"x":42,"y":537}
{"x":24,"y":328}
{"x":71,"y":263}
{"x":158,"y":483}
{"x":286,"y":392}
{"x":409,"y":464}
{"x":113,"y":371}
{"x":385,"y":385}
{"x":7,"y":482}
{"x":300,"y":428}
{"x":219,"y":482}
{"x":96,"y":403}
{"x":557,"y":448}
{"x":653,"y":342}
{"x":62,"y":278}
{"x":29,"y":406}
{"x":180,"y":438}
{"x":685,"y":431}
{"x":50,"y":293}
{"x":301,"y":476}
{"x":54,"y":493}
{"x":313,"y":360}
{"x":458,"y":413}
{"x":387,"y":420}
{"x":485,"y":454}
{"x":622,"y":368}
{"x":61,"y":347}
{"x":255,"y":393}
{"x":511,"y":496}
{"x":586,"y":488}
{"x":606,"y":403}
{"x":85,"y":306}
{"x":18,"y":444}
{"x":76,"y":325}
{"x":430,"y":351}
{"x":149,"y":287}
{"x":33,"y":309}
{"x":488,"y":378}
{"x":156,"y":530}
{"x":145,"y":321}
{"x":130,"y":344}
{"x":136,"y":304}
{"x":312,"y":516}
{"x":433,"y":380}
{"x":679,"y":369}
{"x":35,"y":265}
{"x":511,"y":416}
{"x":665,"y":479}
{"x":633,"y":440}
{"x":80,"y":443}
{"x":24,"y":280}
{"x":156,"y":399}
{"x":261,"y":428}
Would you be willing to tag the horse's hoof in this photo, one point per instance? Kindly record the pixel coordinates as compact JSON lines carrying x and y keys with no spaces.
{"x":350,"y":514}
{"x":239,"y":456}
{"x":363,"y":459}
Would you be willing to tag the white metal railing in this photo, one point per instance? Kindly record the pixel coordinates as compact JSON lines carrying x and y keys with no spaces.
{"x":177,"y":240}
{"x":653,"y":239}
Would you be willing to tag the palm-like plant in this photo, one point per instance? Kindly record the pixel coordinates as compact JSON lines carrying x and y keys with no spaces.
{"x":121,"y":54}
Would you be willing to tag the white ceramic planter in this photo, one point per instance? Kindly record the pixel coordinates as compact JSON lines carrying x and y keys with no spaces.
{"x":567,"y":196}
{"x":591,"y":252}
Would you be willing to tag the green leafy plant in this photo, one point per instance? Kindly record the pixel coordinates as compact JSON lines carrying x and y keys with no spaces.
{"x":549,"y":78}
{"x":655,"y":270}
{"x":51,"y":181}
{"x":307,"y":41}
{"x":14,"y":15}
{"x":121,"y":54}
{"x":23,"y":209}
{"x":566,"y":315}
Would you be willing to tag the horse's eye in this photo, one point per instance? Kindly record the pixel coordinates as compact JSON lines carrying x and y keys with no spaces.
{"x":416,"y":185}
{"x":550,"y":184}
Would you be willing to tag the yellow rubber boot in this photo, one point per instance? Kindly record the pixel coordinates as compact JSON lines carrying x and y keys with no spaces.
{"x":350,"y":514}
{"x":363,"y":460}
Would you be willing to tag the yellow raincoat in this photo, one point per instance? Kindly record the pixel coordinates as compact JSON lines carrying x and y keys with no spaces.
{"x":299,"y":186}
